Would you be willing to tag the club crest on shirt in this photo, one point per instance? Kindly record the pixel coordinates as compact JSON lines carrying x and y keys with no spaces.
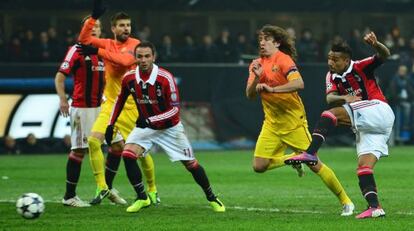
{"x":173,"y":96}
{"x":275,"y":68}
{"x":65,"y":65}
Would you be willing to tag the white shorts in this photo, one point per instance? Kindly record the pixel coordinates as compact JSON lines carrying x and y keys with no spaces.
{"x":372,"y":122}
{"x":173,"y":140}
{"x":81,"y":121}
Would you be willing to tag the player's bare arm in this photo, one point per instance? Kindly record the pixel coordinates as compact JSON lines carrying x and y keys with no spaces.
{"x":335,"y":98}
{"x":257,"y":69}
{"x":382,"y":50}
{"x":291,"y":86}
{"x":60,"y":89}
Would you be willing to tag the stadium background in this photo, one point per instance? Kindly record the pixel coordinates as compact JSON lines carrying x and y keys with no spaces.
{"x":215,"y":111}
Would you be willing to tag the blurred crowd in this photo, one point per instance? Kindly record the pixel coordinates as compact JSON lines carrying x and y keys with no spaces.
{"x":228,"y":47}
{"x":32,"y":145}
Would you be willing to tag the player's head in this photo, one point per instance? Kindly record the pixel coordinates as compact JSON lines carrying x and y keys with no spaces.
{"x":273,"y":38}
{"x":97,"y":28}
{"x":145,"y":55}
{"x":121,"y":26}
{"x":339,"y":57}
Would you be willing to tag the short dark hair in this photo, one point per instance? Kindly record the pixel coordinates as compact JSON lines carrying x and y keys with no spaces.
{"x":145,"y":44}
{"x":342,"y":47}
{"x":119,"y":16}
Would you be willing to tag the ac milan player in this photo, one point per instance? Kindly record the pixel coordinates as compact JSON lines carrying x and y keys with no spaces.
{"x":88,"y":74}
{"x":364,"y":108}
{"x":157,"y":100}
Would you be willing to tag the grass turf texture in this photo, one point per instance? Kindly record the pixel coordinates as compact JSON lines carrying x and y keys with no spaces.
{"x":276,"y":200}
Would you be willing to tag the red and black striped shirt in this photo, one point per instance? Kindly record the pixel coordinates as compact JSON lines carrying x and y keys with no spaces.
{"x":358,"y":80}
{"x":157,"y":98}
{"x":88,"y":76}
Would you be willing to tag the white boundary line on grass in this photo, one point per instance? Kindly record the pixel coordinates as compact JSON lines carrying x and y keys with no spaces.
{"x":240,"y":208}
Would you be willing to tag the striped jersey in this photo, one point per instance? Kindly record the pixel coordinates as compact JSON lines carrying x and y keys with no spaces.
{"x":155,"y":94}
{"x":88,"y":76}
{"x":358,"y":80}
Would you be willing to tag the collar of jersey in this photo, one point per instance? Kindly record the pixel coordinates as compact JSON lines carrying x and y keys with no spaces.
{"x":151,"y":79}
{"x":342,"y":77}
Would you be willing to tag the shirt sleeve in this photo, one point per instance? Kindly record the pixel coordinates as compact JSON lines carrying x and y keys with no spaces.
{"x":289,"y":69}
{"x":85,"y":36}
{"x":330,"y":84}
{"x":69,"y":62}
{"x":368,"y":65}
{"x":120,"y":102}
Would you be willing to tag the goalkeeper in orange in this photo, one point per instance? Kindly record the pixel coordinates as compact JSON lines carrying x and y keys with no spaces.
{"x":118,"y":55}
{"x":276,"y":79}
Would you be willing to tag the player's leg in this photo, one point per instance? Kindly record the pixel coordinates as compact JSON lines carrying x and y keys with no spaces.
{"x":126,"y":123}
{"x":113,"y":160}
{"x":269,"y":152}
{"x":177,"y":146}
{"x":73,"y":169}
{"x":137,"y":145}
{"x":365,"y":172}
{"x":328,"y":121}
{"x":331,"y":181}
{"x":81,"y":120}
{"x":96,"y":157}
{"x":300,"y":139}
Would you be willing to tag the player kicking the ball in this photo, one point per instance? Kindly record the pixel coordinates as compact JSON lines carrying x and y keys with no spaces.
{"x":364,"y":108}
{"x":157,"y":100}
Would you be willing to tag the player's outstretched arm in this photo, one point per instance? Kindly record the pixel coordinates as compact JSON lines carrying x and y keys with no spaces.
{"x":383,"y":51}
{"x":85,"y":36}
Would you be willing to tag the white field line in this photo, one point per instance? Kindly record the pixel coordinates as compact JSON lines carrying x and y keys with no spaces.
{"x":239,"y":208}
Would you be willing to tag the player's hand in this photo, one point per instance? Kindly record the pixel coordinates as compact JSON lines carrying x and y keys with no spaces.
{"x":257,"y":68}
{"x":98,"y":9}
{"x":371,"y":38}
{"x":86,"y":50}
{"x":142,"y":123}
{"x":109,"y":134}
{"x":263,"y":87}
{"x":352,"y":98}
{"x":64,"y":108}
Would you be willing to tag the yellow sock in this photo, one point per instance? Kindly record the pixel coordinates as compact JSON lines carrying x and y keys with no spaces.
{"x":147,"y":165}
{"x":96,"y":159}
{"x":279,"y":161}
{"x":329,"y":178}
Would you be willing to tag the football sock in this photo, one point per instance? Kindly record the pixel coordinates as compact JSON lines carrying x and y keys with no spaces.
{"x":134,"y":173}
{"x":368,"y":186}
{"x":73,"y":169}
{"x":112,"y":164}
{"x":201,"y":178}
{"x":96,"y":158}
{"x":147,"y":165}
{"x":279,"y":161}
{"x":331,"y":181}
{"x":324,"y":125}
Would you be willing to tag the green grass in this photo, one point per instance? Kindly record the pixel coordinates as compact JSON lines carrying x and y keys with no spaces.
{"x":276,"y":200}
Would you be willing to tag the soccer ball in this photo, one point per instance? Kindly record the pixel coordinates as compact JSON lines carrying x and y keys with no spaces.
{"x":30,"y":205}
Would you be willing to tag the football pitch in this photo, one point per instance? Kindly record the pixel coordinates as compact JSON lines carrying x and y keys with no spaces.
{"x":276,"y":200}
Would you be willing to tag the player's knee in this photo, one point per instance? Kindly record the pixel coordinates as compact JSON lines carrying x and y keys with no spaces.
{"x":94,"y":143}
{"x":190,"y":165}
{"x":118,"y":146}
{"x":259,"y":168}
{"x":76,"y":156}
{"x":128,"y":154}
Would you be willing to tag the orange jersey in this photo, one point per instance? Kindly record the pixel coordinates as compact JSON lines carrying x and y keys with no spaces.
{"x":283,"y":111}
{"x":118,"y":57}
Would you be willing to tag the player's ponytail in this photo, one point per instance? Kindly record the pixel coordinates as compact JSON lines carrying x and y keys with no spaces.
{"x":287,"y":44}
